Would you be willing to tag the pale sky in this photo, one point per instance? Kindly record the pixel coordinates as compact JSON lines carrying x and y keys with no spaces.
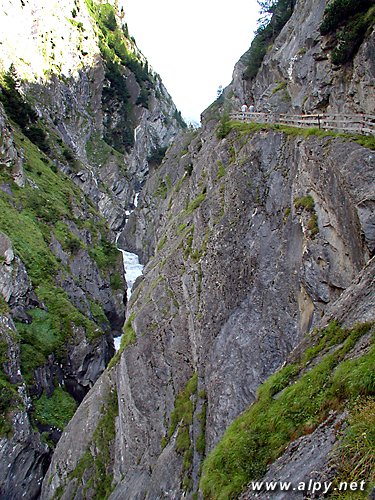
{"x":193,"y":44}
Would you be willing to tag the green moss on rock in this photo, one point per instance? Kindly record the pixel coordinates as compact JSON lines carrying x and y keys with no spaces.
{"x":56,"y":410}
{"x":260,"y":434}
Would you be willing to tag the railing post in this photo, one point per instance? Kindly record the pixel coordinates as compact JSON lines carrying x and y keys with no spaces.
{"x":319,"y":121}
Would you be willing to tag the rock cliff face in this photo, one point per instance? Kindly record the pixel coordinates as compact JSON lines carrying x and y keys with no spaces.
{"x":81,"y":117}
{"x":254,"y":239}
{"x":237,"y":272}
{"x":316,"y":456}
{"x":297,"y":75}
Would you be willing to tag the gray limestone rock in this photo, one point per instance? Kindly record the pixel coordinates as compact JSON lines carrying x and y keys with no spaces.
{"x":10,"y":157}
{"x":23,"y":458}
{"x":312,"y":457}
{"x":234,"y":279}
{"x":297,"y":74}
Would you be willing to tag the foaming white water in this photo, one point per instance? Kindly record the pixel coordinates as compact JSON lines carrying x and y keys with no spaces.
{"x":132,"y":268}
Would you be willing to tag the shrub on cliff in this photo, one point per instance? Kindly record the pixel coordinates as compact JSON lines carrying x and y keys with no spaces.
{"x":20,"y":111}
{"x":348,"y":22}
{"x":275,"y":14}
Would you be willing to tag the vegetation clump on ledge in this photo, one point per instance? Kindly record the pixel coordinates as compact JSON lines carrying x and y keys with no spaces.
{"x":348,"y":22}
{"x":307,"y":203}
{"x":226,"y":126}
{"x":305,"y":396}
{"x":276,"y":13}
{"x":56,"y":410}
{"x":182,"y":418}
{"x":128,"y":337}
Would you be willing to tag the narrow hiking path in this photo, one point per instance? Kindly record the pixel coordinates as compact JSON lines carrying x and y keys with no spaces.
{"x":350,"y":123}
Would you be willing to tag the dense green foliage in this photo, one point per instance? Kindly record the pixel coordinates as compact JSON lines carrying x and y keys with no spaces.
{"x":305,"y":396}
{"x":348,"y":21}
{"x":56,"y":410}
{"x":20,"y":111}
{"x":270,"y":26}
{"x":338,"y":12}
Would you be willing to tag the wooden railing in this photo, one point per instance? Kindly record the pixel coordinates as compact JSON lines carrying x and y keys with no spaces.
{"x":351,"y":123}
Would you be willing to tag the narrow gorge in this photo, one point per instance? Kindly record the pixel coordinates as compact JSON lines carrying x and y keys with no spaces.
{"x":245,"y":351}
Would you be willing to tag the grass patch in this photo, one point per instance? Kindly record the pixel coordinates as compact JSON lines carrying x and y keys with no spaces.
{"x":99,"y":152}
{"x":332,"y":335}
{"x":50,"y":331}
{"x":27,"y":236}
{"x":258,"y":436}
{"x":279,"y":86}
{"x":98,"y":314}
{"x":27,"y":217}
{"x":367,"y":141}
{"x":198,"y":200}
{"x":307,"y":203}
{"x":221,"y":172}
{"x":161,"y":243}
{"x":225,"y":126}
{"x":181,"y":228}
{"x":69,"y":241}
{"x":287,"y":212}
{"x":245,"y":128}
{"x":105,"y":254}
{"x":182,"y":416}
{"x":56,"y":410}
{"x":4,"y":307}
{"x":44,"y":334}
{"x":356,"y":455}
{"x":64,"y":314}
{"x":162,"y":189}
{"x":183,"y":408}
{"x":116,"y":281}
{"x":201,"y":439}
{"x":128,"y":337}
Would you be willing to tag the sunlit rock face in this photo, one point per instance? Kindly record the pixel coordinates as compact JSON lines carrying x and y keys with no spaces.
{"x":54,"y":47}
{"x":37,"y":37}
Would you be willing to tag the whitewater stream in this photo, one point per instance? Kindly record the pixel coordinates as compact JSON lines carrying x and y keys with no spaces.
{"x":132,"y":269}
